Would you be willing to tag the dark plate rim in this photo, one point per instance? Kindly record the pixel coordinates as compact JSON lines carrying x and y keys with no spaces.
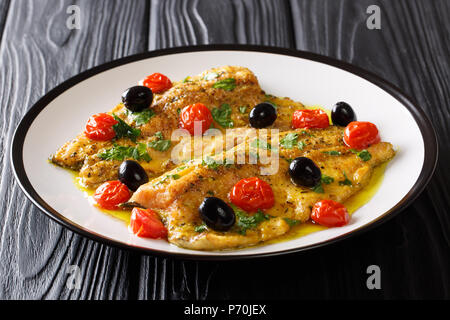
{"x":423,"y":122}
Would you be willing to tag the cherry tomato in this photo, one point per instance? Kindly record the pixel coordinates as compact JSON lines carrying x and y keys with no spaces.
{"x":310,"y":119}
{"x":195,"y":112}
{"x":330,"y":213}
{"x":110,"y":194}
{"x":145,"y":223}
{"x":360,"y":135}
{"x":157,"y":82}
{"x":100,"y":127}
{"x":251,"y":194}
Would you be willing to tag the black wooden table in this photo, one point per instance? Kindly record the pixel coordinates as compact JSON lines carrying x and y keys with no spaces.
{"x":412,"y":50}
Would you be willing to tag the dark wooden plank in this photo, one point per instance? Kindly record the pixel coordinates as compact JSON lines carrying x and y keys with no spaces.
{"x":38,"y":51}
{"x":4,"y":6}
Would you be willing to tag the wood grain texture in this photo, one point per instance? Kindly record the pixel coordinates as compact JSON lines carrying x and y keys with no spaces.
{"x":38,"y":52}
{"x":411,"y":50}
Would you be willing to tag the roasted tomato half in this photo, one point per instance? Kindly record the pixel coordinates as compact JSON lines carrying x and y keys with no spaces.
{"x":196,"y":113}
{"x":360,"y":135}
{"x":330,"y":213}
{"x":310,"y":119}
{"x":110,"y":194}
{"x":100,"y":127}
{"x":157,"y":82}
{"x":145,"y":223}
{"x":252,"y":194}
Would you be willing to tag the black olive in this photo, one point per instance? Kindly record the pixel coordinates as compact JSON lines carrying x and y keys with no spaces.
{"x":217,"y":214}
{"x":132,"y":174}
{"x":262,"y":115}
{"x":304,"y":172}
{"x":342,"y":114}
{"x":137,"y":98}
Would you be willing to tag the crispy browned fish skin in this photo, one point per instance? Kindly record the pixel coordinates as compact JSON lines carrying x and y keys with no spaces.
{"x":80,"y":154}
{"x":178,"y":200}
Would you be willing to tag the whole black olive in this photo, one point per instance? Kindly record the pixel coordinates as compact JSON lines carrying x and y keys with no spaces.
{"x":132,"y":174}
{"x":262,"y":115}
{"x":304,"y":172}
{"x":137,"y":98}
{"x":217,"y":214}
{"x":342,"y":114}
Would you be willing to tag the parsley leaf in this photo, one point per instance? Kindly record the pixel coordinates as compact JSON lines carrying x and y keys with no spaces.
{"x":200,"y":228}
{"x":222,"y":115}
{"x":332,"y":153}
{"x":301,"y":145}
{"x":318,"y":188}
{"x":260,"y":144}
{"x":122,"y":152}
{"x":242,"y":109}
{"x":160,"y":144}
{"x":326,"y":179}
{"x":306,"y":133}
{"x":364,"y":155}
{"x":246,"y":221}
{"x":291,"y":222}
{"x":122,"y":129}
{"x":289,"y":140}
{"x":211,"y":163}
{"x":186,"y":79}
{"x":141,"y":117}
{"x":345,"y":182}
{"x":226,"y":84}
{"x":167,"y":176}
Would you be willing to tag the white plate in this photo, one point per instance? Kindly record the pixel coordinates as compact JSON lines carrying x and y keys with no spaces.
{"x":309,"y":78}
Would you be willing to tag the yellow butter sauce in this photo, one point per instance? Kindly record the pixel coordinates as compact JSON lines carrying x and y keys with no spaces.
{"x":352,"y":204}
{"x":123,"y":215}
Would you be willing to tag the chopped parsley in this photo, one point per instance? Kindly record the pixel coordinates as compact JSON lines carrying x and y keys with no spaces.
{"x":301,"y":145}
{"x":318,"y":188}
{"x":123,"y":152}
{"x":246,"y":221}
{"x":200,"y":228}
{"x":222,"y":115}
{"x":187,"y":79}
{"x":168,"y":176}
{"x":291,"y":222}
{"x":160,"y":144}
{"x":345,"y":182}
{"x":226,"y":84}
{"x":332,"y":153}
{"x":122,"y":129}
{"x":364,"y":155}
{"x":260,"y":144}
{"x":289,"y":140}
{"x":141,"y":117}
{"x":242,"y":109}
{"x":306,"y":133}
{"x":211,"y":163}
{"x":326,"y":179}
